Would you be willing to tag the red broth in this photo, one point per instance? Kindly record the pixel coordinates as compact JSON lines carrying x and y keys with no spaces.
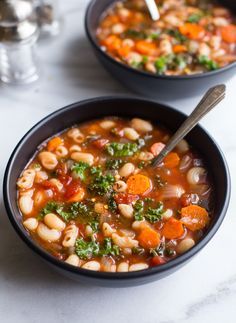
{"x":91,"y":198}
{"x":191,"y":37}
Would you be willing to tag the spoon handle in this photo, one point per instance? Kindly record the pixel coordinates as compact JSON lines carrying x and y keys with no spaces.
{"x":153,"y":9}
{"x":212,"y":97}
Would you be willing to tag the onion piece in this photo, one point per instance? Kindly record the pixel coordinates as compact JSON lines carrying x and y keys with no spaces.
{"x":196,"y":175}
{"x":185,"y":163}
{"x":172,"y":191}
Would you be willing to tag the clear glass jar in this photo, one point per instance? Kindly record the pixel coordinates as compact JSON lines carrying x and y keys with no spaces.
{"x":18,"y":62}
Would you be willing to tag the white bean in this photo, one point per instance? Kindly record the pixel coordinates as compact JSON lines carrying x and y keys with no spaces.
{"x":84,"y":157}
{"x":73,"y":260}
{"x":26,"y":204}
{"x":145,"y":156}
{"x":107,"y":229}
{"x":166,"y":47}
{"x":194,"y":175}
{"x":126,"y":210}
{"x":141,"y":125}
{"x":54,"y":222}
{"x":120,"y":186}
{"x":126,"y":170}
{"x":123,"y":267}
{"x":31,"y":224}
{"x":124,"y":242}
{"x":167,"y":214}
{"x":138,"y":266}
{"x":48,"y":160}
{"x":138,"y":225}
{"x":71,"y":233}
{"x":88,"y":231}
{"x":118,"y":28}
{"x":131,"y":133}
{"x":107,"y":124}
{"x":92,"y":265}
{"x":185,"y":245}
{"x":47,"y":234}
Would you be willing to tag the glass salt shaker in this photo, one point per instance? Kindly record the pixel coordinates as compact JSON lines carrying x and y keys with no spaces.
{"x":18,"y":35}
{"x":49,"y":18}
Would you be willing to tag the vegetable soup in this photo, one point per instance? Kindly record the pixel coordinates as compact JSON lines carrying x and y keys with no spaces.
{"x":191,"y":37}
{"x":90,"y":197}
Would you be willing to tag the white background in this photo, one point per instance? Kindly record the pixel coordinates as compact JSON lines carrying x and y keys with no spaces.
{"x":30,"y":292}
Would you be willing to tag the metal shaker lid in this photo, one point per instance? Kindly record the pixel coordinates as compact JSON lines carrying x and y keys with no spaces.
{"x":18,"y":21}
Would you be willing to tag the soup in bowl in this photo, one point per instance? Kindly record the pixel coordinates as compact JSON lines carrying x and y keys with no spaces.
{"x":81,"y":191}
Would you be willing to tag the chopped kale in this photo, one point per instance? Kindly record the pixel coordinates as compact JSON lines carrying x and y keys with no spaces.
{"x":109,"y":248}
{"x":79,"y":169}
{"x":208,"y":63}
{"x":102,"y":184}
{"x":176,"y":34}
{"x":94,"y":224}
{"x":113,"y":163}
{"x":112,"y":205}
{"x":161,"y":64}
{"x":138,"y":210}
{"x":97,"y":171}
{"x":135,"y":34}
{"x":86,"y":249}
{"x":118,"y":149}
{"x":194,"y":18}
{"x":154,"y":215}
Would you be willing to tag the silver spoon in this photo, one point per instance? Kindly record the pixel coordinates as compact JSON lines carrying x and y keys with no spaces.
{"x":212,"y":97}
{"x":153,"y":9}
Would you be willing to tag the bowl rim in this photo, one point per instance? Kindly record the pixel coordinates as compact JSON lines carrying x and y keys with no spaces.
{"x":140,"y":72}
{"x":152,"y":271}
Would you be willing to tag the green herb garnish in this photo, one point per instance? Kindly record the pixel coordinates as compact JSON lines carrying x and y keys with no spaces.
{"x":113,"y":164}
{"x":102,"y":184}
{"x":208,"y":63}
{"x":86,"y":249}
{"x":118,"y":149}
{"x":79,"y":169}
{"x":194,"y":18}
{"x":154,"y":215}
{"x":138,"y":210}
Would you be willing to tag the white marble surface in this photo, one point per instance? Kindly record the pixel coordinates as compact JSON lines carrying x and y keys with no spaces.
{"x":30,"y":292}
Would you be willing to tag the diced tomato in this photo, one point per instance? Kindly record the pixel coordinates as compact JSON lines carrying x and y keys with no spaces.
{"x":100,"y":143}
{"x":72,"y":189}
{"x":65,"y":179}
{"x":157,"y":261}
{"x":123,"y":198}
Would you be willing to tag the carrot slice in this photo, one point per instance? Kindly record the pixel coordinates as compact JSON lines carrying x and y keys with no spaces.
{"x":148,"y":238}
{"x":192,"y":31}
{"x":145,"y":48}
{"x":112,"y":43}
{"x":171,"y":160}
{"x":194,"y":217}
{"x":157,"y":148}
{"x":139,"y":184}
{"x":124,"y":51}
{"x":54,"y":143}
{"x":228,"y":33}
{"x":179,"y":49}
{"x":173,"y":229}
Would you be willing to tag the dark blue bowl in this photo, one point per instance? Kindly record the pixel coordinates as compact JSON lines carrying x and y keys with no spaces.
{"x":126,"y":107}
{"x":155,"y":86}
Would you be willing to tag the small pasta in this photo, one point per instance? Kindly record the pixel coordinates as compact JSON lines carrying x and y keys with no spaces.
{"x":76,"y":135}
{"x":71,"y":233}
{"x":61,"y":151}
{"x":48,"y":160}
{"x":47,"y":234}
